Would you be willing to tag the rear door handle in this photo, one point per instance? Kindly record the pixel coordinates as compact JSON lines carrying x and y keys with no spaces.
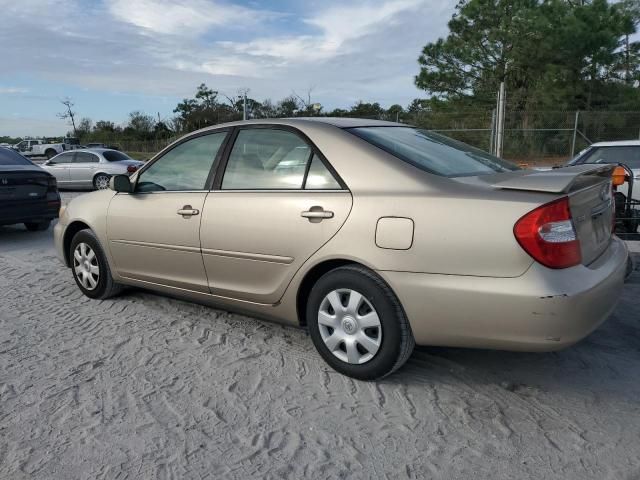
{"x":188,"y":211}
{"x":316,"y":214}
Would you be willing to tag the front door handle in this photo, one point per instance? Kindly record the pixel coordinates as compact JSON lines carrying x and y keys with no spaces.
{"x":188,"y":211}
{"x":316,"y":214}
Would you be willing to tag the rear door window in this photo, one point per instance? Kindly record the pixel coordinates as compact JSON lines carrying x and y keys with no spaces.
{"x":266,"y":159}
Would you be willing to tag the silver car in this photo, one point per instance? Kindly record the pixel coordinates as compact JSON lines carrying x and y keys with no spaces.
{"x":90,"y":168}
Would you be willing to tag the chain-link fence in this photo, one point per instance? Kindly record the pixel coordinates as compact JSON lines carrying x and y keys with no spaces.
{"x":533,"y":137}
{"x":530,"y":137}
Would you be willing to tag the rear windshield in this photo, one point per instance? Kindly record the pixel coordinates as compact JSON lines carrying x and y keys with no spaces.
{"x":115,"y":156}
{"x":629,"y":155}
{"x":432,"y":152}
{"x":9,"y":157}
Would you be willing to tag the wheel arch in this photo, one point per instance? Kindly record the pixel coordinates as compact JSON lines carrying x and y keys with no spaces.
{"x":71,"y":230}
{"x":312,"y":276}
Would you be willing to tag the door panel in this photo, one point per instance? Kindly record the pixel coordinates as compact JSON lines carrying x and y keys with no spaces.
{"x":154,"y":233}
{"x":254,"y":242}
{"x":60,"y":167}
{"x":83,"y":168}
{"x":150,"y":241}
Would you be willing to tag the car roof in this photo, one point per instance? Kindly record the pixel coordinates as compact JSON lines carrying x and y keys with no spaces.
{"x":95,"y":150}
{"x":618,"y":143}
{"x":340,"y":122}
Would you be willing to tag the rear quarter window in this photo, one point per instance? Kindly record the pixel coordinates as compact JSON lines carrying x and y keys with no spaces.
{"x":115,"y":156}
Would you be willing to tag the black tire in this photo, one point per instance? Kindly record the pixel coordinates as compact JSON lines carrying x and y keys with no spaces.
{"x":106,"y":287}
{"x":397,"y":340}
{"x":50,"y":154}
{"x":97,"y":181}
{"x":37,"y":226}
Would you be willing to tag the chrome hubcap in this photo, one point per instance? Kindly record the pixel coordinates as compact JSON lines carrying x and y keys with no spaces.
{"x":349,"y":326}
{"x":85,"y":266}
{"x":102,"y":182}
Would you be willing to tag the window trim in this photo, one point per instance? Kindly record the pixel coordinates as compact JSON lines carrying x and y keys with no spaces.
{"x":222,"y":166}
{"x":177,"y":143}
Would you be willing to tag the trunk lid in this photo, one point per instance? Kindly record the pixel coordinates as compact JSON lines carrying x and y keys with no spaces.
{"x":23,"y":185}
{"x":589,"y":190}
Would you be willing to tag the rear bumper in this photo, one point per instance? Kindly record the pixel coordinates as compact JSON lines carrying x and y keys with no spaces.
{"x":38,"y":211}
{"x":541,"y":310}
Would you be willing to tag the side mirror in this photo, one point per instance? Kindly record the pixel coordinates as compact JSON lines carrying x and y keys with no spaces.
{"x":120,"y":183}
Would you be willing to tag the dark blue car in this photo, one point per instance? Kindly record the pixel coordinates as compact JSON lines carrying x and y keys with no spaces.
{"x":28,"y":194}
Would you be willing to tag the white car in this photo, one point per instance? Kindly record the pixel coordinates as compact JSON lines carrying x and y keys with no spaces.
{"x":38,"y":148}
{"x":626,"y":152}
{"x":90,"y":168}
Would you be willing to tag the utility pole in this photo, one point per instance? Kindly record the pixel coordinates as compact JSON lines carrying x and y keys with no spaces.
{"x":244,"y":106}
{"x":501,"y":110}
{"x":492,"y":134}
{"x":575,"y":131}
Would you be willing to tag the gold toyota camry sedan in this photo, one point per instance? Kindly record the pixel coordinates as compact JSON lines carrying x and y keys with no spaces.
{"x":374,"y":235}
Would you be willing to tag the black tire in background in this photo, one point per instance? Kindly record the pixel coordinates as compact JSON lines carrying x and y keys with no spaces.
{"x":37,"y":226}
{"x":106,"y":287}
{"x":397,"y":339}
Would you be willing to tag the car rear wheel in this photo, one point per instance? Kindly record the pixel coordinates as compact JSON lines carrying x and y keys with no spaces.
{"x":357,"y":323}
{"x":50,"y":153}
{"x":101,"y":181}
{"x":37,"y":226}
{"x":90,"y":267}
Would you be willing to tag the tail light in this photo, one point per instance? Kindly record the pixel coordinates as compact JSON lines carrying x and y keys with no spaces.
{"x":619,"y":176}
{"x":132,"y":169}
{"x":52,"y":184}
{"x":548,"y":235}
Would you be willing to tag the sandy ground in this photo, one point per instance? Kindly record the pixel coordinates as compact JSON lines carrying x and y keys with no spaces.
{"x":144,"y":386}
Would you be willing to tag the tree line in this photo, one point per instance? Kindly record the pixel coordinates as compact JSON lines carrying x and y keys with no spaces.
{"x":551,"y":55}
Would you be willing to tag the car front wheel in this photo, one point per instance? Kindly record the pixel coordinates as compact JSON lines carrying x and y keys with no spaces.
{"x":90,"y":267}
{"x":357,"y":323}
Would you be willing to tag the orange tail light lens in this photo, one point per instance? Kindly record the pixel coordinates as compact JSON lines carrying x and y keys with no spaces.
{"x":619,"y":176}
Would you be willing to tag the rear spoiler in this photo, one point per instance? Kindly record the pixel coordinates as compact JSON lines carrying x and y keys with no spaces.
{"x":560,"y":180}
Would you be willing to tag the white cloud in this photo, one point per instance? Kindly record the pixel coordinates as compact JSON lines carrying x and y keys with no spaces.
{"x":337,"y":24}
{"x":12,"y":90}
{"x":347,"y":50}
{"x":184,"y":18}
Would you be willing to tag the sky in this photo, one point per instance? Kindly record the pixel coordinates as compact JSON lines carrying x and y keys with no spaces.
{"x":115,"y":56}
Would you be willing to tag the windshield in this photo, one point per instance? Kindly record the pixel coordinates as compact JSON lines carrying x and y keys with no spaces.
{"x":629,"y":155}
{"x":9,"y":157}
{"x":115,"y":156}
{"x":433,"y":152}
